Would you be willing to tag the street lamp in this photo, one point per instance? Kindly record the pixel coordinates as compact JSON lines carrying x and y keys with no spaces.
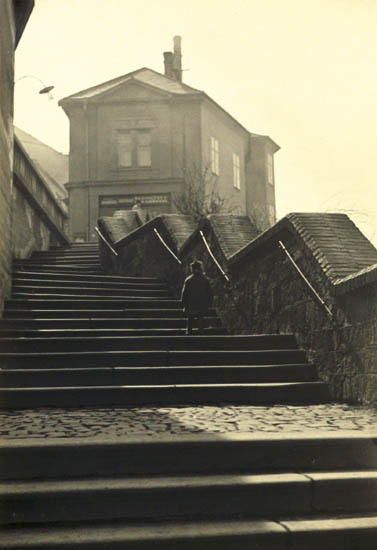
{"x":44,"y":90}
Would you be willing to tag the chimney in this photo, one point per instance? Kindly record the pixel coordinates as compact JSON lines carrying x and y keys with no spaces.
{"x":168,"y":61}
{"x":173,"y":61}
{"x":177,"y":58}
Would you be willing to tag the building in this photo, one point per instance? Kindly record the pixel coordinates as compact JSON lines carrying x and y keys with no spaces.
{"x":14,"y":16}
{"x":52,"y":164}
{"x":136,"y":136}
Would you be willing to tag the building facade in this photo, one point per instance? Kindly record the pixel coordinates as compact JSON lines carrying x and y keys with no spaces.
{"x":13,"y":19}
{"x":138,"y":136}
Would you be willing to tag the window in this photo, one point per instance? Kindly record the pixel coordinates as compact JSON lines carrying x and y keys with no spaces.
{"x":134,"y":148}
{"x":270,"y":168}
{"x":215,"y":156}
{"x":124,"y":149}
{"x":236,"y":171}
{"x":144,"y":149}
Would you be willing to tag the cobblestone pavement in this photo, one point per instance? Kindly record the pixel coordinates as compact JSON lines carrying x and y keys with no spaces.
{"x":152,"y":421}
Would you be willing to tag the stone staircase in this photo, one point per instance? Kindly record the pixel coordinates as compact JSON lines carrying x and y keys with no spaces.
{"x":72,"y":336}
{"x":271,"y":492}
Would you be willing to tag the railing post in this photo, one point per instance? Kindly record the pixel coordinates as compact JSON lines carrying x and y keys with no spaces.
{"x":106,"y":241}
{"x":213,"y":257}
{"x":312,"y":290}
{"x":166,"y":246}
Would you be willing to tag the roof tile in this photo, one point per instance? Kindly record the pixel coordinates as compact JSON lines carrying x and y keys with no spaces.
{"x":118,"y":226}
{"x":336,"y":241}
{"x":232,"y":232}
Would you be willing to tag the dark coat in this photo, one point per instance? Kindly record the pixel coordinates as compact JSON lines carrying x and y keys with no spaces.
{"x":197,"y":294}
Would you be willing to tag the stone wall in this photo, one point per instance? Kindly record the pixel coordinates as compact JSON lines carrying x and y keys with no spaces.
{"x":28,"y":230}
{"x":267,"y":295}
{"x":140,"y":252}
{"x":38,"y":219}
{"x":146,"y":257}
{"x":7,"y":45}
{"x":13,"y":18}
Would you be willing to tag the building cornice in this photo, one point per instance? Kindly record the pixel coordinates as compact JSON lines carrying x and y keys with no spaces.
{"x":135,"y":181}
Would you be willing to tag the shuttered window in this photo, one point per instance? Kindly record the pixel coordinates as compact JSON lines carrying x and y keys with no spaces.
{"x":215,"y":156}
{"x":270,"y":168}
{"x":236,"y":171}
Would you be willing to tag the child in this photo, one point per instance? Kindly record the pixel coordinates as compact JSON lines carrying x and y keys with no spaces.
{"x":196,"y":296}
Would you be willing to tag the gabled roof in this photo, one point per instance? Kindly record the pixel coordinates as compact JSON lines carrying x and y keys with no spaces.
{"x":158,"y":81}
{"x":117,"y":227}
{"x":176,"y":227}
{"x":336,"y":243}
{"x":180,"y":228}
{"x":145,"y":76}
{"x":232,"y":232}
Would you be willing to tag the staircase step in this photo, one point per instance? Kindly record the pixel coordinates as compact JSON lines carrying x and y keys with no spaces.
{"x":90,"y":333}
{"x":91,"y":257}
{"x":63,"y":268}
{"x":34,"y":323}
{"x":168,"y":535}
{"x":57,"y":273}
{"x":143,"y":358}
{"x":98,"y":314}
{"x":274,"y":344}
{"x":328,"y":533}
{"x":193,"y":394}
{"x":81,"y":255}
{"x":47,"y":290}
{"x":109,"y":298}
{"x":99,"y":285}
{"x":40,"y":501}
{"x":187,"y":454}
{"x":86,"y":244}
{"x":77,"y":249}
{"x":81,"y":272}
{"x":333,"y":533}
{"x":55,"y":277}
{"x":93,"y":302}
{"x":208,"y":496}
{"x":67,"y":377}
{"x":83,"y":266}
{"x":66,"y":259}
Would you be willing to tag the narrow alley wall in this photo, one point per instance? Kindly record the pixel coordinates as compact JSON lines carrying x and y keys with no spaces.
{"x":7,"y":45}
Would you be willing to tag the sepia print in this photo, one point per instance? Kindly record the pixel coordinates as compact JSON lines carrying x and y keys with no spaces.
{"x":188,"y":275}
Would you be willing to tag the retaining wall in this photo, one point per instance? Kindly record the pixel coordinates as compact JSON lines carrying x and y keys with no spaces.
{"x":266,"y":294}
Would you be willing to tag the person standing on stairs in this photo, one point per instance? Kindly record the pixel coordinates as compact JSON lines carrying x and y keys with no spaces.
{"x":141,"y":211}
{"x":197,"y":297}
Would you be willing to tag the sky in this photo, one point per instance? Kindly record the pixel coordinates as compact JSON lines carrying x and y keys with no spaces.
{"x":303,"y":72}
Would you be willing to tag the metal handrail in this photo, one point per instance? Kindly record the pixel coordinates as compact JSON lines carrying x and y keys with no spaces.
{"x":106,"y":241}
{"x":166,"y":246}
{"x":312,"y":290}
{"x":213,"y":257}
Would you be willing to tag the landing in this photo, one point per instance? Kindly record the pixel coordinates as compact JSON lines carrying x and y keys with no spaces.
{"x":160,"y":421}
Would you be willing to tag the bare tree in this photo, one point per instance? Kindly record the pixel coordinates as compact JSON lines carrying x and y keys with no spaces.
{"x":259,"y":217}
{"x":200,"y":196}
